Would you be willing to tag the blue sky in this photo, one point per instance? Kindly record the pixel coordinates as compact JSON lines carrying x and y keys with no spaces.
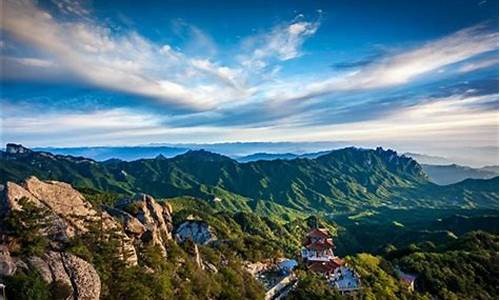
{"x":418,"y":76}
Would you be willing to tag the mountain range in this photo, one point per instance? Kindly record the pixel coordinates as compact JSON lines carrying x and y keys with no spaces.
{"x":448,"y":174}
{"x":440,"y":169}
{"x":339,"y":181}
{"x":233,"y":150}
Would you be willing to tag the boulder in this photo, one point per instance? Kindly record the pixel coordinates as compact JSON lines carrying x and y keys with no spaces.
{"x":78,"y":275}
{"x":84,"y":277}
{"x":8,"y":265}
{"x":197,"y":231}
{"x":49,"y":273}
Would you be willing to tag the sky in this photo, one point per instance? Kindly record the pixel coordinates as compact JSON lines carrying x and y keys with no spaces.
{"x":417,"y":76}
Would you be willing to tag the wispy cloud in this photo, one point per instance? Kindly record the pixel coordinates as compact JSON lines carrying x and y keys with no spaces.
{"x":282,"y":43}
{"x":478,"y":65}
{"x":130,"y":63}
{"x":73,"y":7}
{"x":461,"y":120}
{"x":30,"y":62}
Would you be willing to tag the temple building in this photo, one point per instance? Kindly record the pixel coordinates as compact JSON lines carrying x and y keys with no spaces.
{"x":318,"y":245}
{"x":318,"y":255}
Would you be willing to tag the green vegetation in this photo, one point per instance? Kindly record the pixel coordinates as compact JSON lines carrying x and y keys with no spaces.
{"x":466,"y":268}
{"x":176,"y":277}
{"x":26,"y":225}
{"x":251,"y":236}
{"x":312,"y":286}
{"x":463,"y":269}
{"x":27,"y":286}
{"x":373,"y":233}
{"x":342,"y":181}
{"x":379,"y":278}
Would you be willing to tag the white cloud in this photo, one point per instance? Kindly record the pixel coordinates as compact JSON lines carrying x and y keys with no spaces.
{"x":72,"y":7}
{"x":31,"y":62}
{"x":127,"y":63}
{"x":282,"y":43}
{"x":477,"y":65}
{"x":457,"y":119}
{"x":401,"y":68}
{"x":230,"y":76}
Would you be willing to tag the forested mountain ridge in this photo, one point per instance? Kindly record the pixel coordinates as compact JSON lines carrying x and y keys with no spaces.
{"x":341,"y":180}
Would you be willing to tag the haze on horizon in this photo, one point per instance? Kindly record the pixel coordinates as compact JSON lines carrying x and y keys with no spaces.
{"x":415,"y":76}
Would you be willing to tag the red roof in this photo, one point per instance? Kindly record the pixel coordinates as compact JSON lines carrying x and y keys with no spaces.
{"x":338,"y":261}
{"x":324,"y":267}
{"x":319,"y":246}
{"x":321,"y":267}
{"x":319,"y":232}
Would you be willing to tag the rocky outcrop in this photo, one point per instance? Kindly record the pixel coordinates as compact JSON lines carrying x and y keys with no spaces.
{"x":146,"y":219}
{"x":131,"y":225}
{"x":78,"y":275}
{"x":16,"y":149}
{"x":197,"y":231}
{"x":70,"y":213}
{"x":8,"y":264}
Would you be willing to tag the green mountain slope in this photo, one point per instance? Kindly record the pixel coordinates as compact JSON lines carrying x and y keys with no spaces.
{"x":341,"y":181}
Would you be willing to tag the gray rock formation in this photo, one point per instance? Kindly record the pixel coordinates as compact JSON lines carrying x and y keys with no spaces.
{"x":8,"y":265}
{"x":146,"y":219}
{"x":77,"y":274}
{"x":131,"y":224}
{"x":197,"y":231}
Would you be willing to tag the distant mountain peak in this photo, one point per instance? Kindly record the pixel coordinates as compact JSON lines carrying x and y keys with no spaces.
{"x":160,"y":157}
{"x":16,"y":149}
{"x":203,"y":155}
{"x":391,"y":159}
